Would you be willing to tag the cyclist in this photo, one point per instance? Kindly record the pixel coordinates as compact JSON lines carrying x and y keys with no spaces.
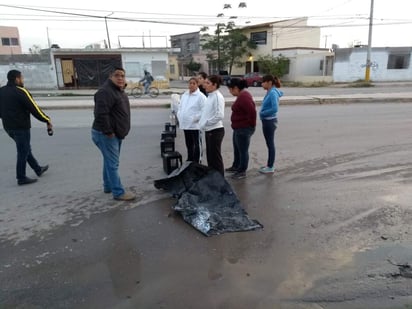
{"x":147,"y":81}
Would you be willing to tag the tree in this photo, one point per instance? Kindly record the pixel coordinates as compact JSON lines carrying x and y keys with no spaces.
{"x":35,"y":49}
{"x":227,"y":47}
{"x":193,"y":66}
{"x":277,"y":66}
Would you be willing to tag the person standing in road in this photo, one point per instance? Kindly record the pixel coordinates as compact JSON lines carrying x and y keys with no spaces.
{"x":243,"y":120}
{"x":190,"y":109}
{"x":147,"y":81}
{"x":269,"y":117}
{"x":211,"y":121}
{"x":16,"y":105}
{"x":110,"y":126}
{"x":201,"y":77}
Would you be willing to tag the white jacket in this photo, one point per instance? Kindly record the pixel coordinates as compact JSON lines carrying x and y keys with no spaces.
{"x":213,"y":112}
{"x":190,"y":109}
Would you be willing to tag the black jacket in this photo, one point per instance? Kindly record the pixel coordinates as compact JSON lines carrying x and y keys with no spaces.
{"x":16,"y":105}
{"x":111,"y":110}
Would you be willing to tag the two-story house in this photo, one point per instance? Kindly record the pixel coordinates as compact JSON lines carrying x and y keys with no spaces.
{"x":295,"y":40}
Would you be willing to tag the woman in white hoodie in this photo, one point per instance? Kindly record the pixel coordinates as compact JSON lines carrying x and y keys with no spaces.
{"x":211,"y":122}
{"x":190,"y":110}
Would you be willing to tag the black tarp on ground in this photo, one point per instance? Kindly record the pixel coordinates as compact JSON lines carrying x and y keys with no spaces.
{"x":206,"y":200}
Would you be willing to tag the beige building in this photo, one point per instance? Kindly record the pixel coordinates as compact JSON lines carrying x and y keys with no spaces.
{"x":278,"y":35}
{"x":10,"y":41}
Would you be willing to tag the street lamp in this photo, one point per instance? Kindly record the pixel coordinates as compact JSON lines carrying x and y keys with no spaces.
{"x":107,"y":29}
{"x":251,"y":62}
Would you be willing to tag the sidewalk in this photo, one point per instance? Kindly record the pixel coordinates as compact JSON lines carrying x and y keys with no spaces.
{"x":83,"y":98}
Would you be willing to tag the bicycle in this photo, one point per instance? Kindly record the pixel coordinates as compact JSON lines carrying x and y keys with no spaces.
{"x":138,"y":91}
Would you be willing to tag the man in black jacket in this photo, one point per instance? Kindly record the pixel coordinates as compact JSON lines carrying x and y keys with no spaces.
{"x":110,"y":126}
{"x":16,"y":105}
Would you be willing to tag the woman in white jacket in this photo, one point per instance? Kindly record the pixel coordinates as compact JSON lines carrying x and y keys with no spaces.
{"x":190,"y":110}
{"x":211,"y":122}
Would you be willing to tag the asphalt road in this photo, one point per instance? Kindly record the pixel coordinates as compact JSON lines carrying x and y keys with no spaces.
{"x":336,"y":218}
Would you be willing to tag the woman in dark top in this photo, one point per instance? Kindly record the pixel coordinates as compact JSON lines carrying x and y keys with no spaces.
{"x":243,"y":120}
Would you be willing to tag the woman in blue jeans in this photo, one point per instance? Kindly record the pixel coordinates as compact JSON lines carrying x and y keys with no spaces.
{"x":243,"y":120}
{"x":269,"y":116}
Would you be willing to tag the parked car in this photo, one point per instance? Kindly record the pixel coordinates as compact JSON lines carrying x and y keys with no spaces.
{"x":253,"y":79}
{"x":226,"y":77}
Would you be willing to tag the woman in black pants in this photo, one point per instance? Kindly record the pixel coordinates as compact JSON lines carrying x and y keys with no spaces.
{"x":190,"y":109}
{"x":211,"y":121}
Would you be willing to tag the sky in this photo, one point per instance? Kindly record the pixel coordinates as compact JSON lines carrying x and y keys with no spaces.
{"x":76,"y":24}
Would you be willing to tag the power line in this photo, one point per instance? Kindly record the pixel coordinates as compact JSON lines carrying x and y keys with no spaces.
{"x":159,"y":18}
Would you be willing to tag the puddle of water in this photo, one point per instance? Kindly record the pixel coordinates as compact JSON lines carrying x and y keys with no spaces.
{"x":388,"y":256}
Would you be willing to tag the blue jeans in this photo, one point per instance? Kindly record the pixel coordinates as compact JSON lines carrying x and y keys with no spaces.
{"x":146,"y":87}
{"x":241,"y":142}
{"x":268,"y":128}
{"x":22,"y":139}
{"x":110,"y":149}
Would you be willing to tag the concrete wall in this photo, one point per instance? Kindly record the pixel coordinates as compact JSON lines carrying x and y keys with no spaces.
{"x":305,"y":64}
{"x":350,"y":64}
{"x":136,"y":62}
{"x":37,"y":76}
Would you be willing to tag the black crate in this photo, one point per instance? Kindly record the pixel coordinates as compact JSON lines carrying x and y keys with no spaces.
{"x":171,"y":161}
{"x":167,"y":145}
{"x":168,"y":134}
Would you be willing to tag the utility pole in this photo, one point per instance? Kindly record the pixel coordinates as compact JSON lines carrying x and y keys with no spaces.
{"x":218,"y":48}
{"x":107,"y":29}
{"x":48,"y":37}
{"x":326,"y":39}
{"x":368,"y":55}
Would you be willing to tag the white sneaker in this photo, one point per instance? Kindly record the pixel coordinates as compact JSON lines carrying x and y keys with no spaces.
{"x":267,"y":170}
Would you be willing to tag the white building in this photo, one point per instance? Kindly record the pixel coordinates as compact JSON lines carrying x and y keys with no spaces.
{"x":387,"y":64}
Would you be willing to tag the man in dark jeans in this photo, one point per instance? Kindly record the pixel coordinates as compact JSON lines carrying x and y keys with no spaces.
{"x":16,"y":105}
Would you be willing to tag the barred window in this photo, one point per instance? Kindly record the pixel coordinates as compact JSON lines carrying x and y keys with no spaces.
{"x":398,"y":61}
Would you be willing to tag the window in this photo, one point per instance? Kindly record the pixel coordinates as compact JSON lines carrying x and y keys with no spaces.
{"x":190,"y":46}
{"x":172,"y":69}
{"x":398,"y":61}
{"x":259,"y":38}
{"x":10,"y":41}
{"x":133,"y":69}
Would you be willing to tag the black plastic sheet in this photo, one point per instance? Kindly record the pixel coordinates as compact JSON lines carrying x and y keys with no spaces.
{"x":206,"y":200}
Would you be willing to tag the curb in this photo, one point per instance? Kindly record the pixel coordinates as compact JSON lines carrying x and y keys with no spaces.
{"x":284,"y":102}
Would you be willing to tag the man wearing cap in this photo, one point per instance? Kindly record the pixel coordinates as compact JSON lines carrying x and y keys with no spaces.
{"x":16,"y":105}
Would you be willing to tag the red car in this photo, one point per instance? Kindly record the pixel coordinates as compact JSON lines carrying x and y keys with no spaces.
{"x":253,"y":79}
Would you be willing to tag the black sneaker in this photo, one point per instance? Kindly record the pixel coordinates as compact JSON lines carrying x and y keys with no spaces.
{"x":42,"y":170}
{"x":231,"y":169}
{"x":26,"y":181}
{"x":239,"y":175}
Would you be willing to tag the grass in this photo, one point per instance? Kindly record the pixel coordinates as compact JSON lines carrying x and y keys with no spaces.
{"x":306,"y":85}
{"x":360,"y":84}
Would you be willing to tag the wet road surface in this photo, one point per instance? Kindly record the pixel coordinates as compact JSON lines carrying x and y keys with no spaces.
{"x":335,"y":214}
